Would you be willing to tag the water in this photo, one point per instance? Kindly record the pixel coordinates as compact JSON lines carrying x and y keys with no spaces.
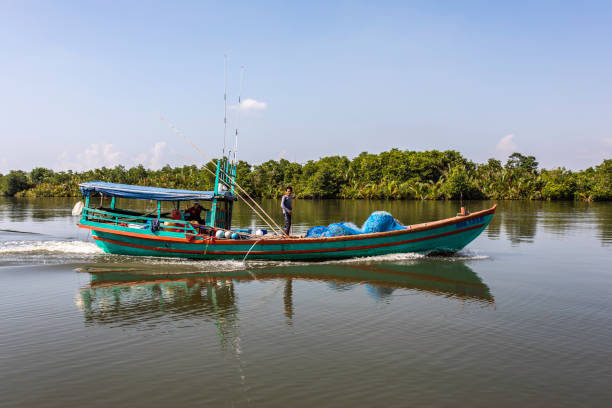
{"x":521,"y":317}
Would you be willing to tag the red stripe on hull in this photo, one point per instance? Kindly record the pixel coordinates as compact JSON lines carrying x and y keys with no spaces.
{"x":201,"y":239}
{"x":295,"y":251}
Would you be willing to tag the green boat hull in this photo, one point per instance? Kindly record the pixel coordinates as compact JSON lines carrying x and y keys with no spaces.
{"x":448,"y":235}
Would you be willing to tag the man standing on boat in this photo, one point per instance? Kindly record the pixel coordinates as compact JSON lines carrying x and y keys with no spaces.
{"x":286,"y":207}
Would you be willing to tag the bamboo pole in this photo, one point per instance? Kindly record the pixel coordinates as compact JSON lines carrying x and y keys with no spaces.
{"x":234,"y":182}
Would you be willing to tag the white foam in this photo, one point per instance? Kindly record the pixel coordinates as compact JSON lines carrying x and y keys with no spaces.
{"x":466,"y":255}
{"x":468,"y":258}
{"x":49,"y":247}
{"x":406,"y":256}
{"x":204,"y":265}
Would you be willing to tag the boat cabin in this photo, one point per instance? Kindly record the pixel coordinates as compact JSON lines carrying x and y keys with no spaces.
{"x":191,"y":221}
{"x":218,"y":215}
{"x":179,"y":219}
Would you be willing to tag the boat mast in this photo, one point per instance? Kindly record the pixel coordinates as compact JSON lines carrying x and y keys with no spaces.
{"x":238,"y":115}
{"x":224,"y":102}
{"x":221,"y":208}
{"x":249,"y":201}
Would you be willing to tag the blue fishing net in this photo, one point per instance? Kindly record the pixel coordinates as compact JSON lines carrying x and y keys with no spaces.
{"x":380,"y":221}
{"x":316,"y":232}
{"x":341,"y":229}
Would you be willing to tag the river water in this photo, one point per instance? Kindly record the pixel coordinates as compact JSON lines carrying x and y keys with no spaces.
{"x":522,"y":316}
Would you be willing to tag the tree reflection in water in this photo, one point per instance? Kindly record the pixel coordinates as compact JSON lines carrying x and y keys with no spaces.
{"x":520,"y":220}
{"x":603,"y":220}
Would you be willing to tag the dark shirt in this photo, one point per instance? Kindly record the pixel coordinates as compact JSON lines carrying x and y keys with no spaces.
{"x":286,"y":203}
{"x":193,"y":213}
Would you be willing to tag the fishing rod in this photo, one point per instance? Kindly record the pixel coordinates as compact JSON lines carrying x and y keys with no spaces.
{"x":254,"y":202}
{"x":235,"y":154}
{"x":277,"y":229}
{"x":210,"y":161}
{"x":235,"y":160}
{"x":211,"y":172}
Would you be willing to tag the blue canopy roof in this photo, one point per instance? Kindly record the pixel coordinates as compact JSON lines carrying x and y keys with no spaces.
{"x":148,"y":193}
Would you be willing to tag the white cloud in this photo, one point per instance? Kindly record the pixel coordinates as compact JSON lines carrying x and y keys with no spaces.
{"x":250,"y":105}
{"x":157,"y":153}
{"x":506,"y":144}
{"x":152,"y":158}
{"x":94,"y":156}
{"x":281,"y":155}
{"x":98,"y":155}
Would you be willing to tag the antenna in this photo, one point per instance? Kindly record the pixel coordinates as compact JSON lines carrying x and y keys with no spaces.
{"x":238,"y":113}
{"x":224,"y":101}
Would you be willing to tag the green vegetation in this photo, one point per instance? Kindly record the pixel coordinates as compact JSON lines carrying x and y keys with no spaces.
{"x":396,"y":174}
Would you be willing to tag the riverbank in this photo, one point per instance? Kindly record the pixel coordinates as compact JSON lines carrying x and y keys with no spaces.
{"x":395,"y":175}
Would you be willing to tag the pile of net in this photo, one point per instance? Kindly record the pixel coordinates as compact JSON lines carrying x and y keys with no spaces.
{"x":378,"y":221}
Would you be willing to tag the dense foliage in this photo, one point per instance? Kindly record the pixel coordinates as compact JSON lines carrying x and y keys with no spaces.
{"x":396,"y":174}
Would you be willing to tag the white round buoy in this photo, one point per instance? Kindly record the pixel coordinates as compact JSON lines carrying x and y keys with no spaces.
{"x":220,"y":234}
{"x":259,"y":233}
{"x":228,"y":234}
{"x":78,"y":208}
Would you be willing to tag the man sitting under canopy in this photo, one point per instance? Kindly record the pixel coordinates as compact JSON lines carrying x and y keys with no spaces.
{"x":194,"y":213}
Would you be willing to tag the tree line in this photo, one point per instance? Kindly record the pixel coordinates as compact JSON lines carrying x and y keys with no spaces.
{"x":394,"y":174}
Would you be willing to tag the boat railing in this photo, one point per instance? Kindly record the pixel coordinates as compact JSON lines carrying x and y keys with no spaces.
{"x":137,"y":222}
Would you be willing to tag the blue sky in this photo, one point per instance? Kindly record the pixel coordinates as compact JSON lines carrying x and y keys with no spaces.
{"x":83,"y":83}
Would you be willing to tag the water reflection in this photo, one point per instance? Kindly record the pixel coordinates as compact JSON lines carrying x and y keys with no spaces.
{"x":520,"y":220}
{"x":288,"y":299}
{"x":21,"y":209}
{"x":440,"y":277}
{"x":603,"y":222}
{"x":153,"y":293}
{"x":120,"y":296}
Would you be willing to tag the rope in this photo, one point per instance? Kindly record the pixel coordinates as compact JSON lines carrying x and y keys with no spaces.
{"x":255,"y":202}
{"x":211,"y":172}
{"x":250,"y":249}
{"x":277,"y":230}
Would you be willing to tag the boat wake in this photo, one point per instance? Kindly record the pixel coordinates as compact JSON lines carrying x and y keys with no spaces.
{"x":57,"y":251}
{"x":10,"y":231}
{"x":408,"y":256}
{"x":464,"y":255}
{"x":48,"y":248}
{"x":167,"y":265}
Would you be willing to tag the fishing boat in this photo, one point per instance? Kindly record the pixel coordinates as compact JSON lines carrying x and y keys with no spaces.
{"x":128,"y":232}
{"x":176,"y":234}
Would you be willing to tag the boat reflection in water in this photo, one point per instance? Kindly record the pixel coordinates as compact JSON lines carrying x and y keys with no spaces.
{"x":148,"y":292}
